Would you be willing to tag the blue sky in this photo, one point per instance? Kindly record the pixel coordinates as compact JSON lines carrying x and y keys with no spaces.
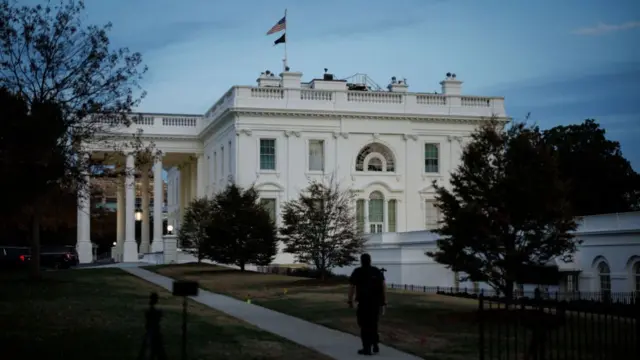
{"x":563,"y":61}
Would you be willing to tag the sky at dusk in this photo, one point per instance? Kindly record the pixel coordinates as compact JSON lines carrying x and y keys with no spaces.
{"x":563,"y":61}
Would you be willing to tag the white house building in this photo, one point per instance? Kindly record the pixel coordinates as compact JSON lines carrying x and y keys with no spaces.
{"x":388,"y":145}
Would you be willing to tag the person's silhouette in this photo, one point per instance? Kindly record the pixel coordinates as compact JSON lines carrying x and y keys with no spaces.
{"x":152,"y":344}
{"x":368,"y":284}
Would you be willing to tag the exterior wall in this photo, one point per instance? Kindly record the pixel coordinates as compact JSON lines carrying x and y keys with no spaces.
{"x":613,"y":238}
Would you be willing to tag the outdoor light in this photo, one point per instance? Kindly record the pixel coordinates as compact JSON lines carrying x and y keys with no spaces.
{"x":114,"y":243}
{"x":138,"y":215}
{"x":170,"y":229}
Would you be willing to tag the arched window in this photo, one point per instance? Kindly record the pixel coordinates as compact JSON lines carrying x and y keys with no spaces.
{"x":376,"y":212}
{"x":636,"y":278}
{"x":375,"y":157}
{"x":373,"y":216}
{"x":604,"y":274}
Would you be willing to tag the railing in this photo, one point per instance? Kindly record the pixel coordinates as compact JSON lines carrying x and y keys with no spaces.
{"x":626,"y":297}
{"x":356,"y":101}
{"x":540,"y":329}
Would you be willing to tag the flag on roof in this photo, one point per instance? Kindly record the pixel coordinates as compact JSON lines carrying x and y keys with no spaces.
{"x":281,"y":40}
{"x":279,"y":26}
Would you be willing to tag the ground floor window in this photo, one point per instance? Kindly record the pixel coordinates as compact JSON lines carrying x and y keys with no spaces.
{"x":270,"y":206}
{"x":376,"y":214}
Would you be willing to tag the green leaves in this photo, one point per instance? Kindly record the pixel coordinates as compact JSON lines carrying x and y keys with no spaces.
{"x":231,"y":228}
{"x":506,"y":207}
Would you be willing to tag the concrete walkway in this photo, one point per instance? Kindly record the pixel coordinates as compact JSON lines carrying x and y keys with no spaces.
{"x":333,"y":343}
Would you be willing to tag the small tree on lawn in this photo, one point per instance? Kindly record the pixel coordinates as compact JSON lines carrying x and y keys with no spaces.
{"x":193,"y":231}
{"x":241,"y":231}
{"x":507,"y":207}
{"x":320,"y":227}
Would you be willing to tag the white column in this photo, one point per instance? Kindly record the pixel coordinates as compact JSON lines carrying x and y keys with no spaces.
{"x":83,"y":241}
{"x":144,"y":229}
{"x":385,"y":211}
{"x":200,"y":176}
{"x":182,"y":195}
{"x":120,"y":219}
{"x":366,"y":216}
{"x":130,"y":245}
{"x":193,"y":177}
{"x":158,"y":200}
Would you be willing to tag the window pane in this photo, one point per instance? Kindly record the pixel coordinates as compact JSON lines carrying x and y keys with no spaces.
{"x":267,"y":154}
{"x":360,"y":215}
{"x":392,"y":216}
{"x":431,"y":158}
{"x":316,"y":155}
{"x":376,"y":211}
{"x":432,"y":214}
{"x":375,"y":164}
{"x":270,"y":206}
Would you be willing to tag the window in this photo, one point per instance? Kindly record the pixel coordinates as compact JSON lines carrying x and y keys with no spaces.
{"x":392,"y":216}
{"x":222,"y":161}
{"x":376,"y":212}
{"x":432,"y":214}
{"x":215,"y":165}
{"x":431,"y":158}
{"x":375,"y":163}
{"x":267,"y":154}
{"x":230,"y":152}
{"x":316,"y":155}
{"x":360,"y":215}
{"x":572,"y":282}
{"x":604,"y":274}
{"x":636,"y":278}
{"x":270,"y":206}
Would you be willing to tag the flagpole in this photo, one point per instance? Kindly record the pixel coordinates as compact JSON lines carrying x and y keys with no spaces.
{"x":286,"y":40}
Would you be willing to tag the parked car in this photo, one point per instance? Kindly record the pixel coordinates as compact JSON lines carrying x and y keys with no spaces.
{"x":14,"y":257}
{"x":58,"y":257}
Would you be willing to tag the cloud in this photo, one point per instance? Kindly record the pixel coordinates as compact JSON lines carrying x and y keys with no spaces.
{"x":603,"y":28}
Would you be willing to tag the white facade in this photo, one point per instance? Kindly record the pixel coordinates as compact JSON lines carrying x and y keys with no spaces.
{"x":387,"y":145}
{"x":607,"y":260}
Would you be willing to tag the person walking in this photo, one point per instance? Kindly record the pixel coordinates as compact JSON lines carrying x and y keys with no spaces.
{"x":368,"y":284}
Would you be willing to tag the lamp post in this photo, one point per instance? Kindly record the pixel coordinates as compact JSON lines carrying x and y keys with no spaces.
{"x":169,"y":229}
{"x":138,"y":215}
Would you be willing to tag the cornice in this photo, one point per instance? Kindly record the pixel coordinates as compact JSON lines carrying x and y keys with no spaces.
{"x":451,"y":119}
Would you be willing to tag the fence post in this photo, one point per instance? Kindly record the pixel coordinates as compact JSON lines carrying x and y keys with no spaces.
{"x":481,"y":326}
{"x":637,"y":313}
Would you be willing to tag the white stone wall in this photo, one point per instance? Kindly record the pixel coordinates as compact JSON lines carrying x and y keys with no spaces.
{"x":613,"y":238}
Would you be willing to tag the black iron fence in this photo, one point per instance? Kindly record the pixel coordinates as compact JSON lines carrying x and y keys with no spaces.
{"x":627,"y":297}
{"x":540,"y":329}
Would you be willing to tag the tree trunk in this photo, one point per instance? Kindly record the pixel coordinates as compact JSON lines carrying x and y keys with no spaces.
{"x":508,"y":289}
{"x":34,"y":265}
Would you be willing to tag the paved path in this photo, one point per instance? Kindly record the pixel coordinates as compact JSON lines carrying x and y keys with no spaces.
{"x":336,"y":344}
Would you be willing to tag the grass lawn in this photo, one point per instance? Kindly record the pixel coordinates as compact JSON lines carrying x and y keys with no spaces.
{"x":99,"y":314}
{"x":430,"y":326}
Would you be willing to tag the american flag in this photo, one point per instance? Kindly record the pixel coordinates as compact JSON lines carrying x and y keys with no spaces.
{"x":279,"y":26}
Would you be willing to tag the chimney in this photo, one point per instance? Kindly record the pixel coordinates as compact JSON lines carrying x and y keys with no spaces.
{"x":291,"y":80}
{"x":451,"y":85}
{"x":268,"y":79}
{"x":398,"y":85}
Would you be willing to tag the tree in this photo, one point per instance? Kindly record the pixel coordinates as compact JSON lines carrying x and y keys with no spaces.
{"x":193,"y":231}
{"x":241,"y":231}
{"x":320,"y":227}
{"x":507,"y":208}
{"x":601,"y":179}
{"x":72,"y":83}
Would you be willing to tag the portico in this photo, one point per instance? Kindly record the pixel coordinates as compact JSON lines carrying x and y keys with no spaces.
{"x":138,"y":177}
